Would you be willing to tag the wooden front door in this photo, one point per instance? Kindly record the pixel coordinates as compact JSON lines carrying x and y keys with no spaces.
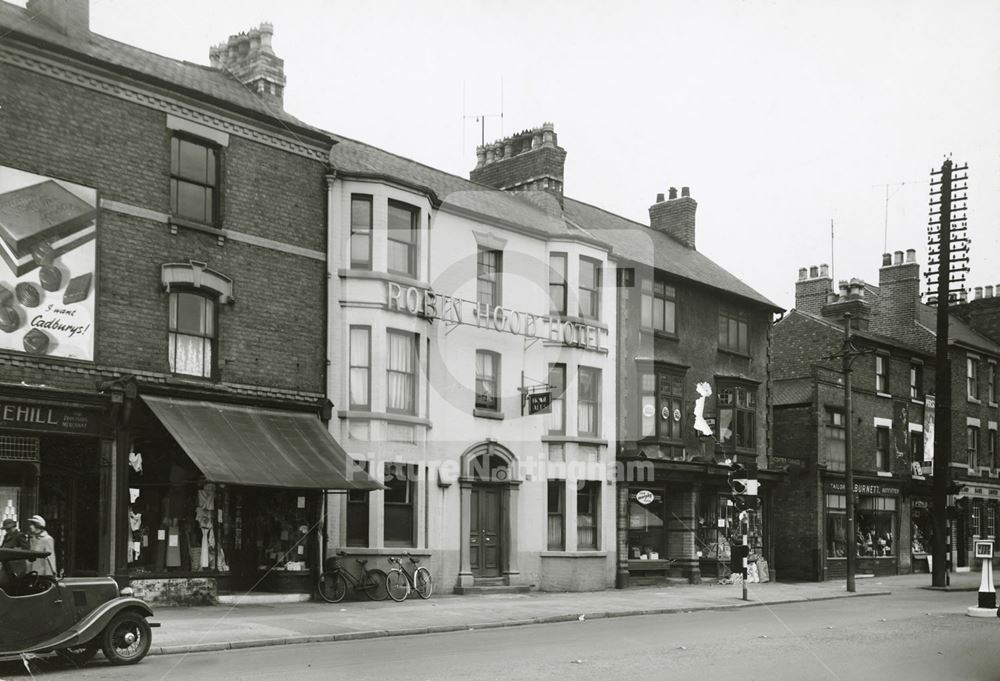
{"x":485,"y":540}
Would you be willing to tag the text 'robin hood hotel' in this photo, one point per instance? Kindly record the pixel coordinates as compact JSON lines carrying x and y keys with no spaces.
{"x":455,"y":307}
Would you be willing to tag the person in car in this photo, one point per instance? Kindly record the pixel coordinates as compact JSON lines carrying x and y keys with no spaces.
{"x":13,"y":538}
{"x":42,"y":541}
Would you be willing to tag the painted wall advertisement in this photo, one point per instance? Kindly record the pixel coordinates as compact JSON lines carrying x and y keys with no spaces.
{"x":929,"y":429}
{"x":47,"y":265}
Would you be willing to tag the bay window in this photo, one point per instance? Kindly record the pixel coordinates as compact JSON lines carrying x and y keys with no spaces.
{"x":402,"y":233}
{"x":589,"y":401}
{"x":738,"y":417}
{"x":401,"y":372}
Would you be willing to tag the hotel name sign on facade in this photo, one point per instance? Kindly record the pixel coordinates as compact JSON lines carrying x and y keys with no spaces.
{"x":425,"y":303}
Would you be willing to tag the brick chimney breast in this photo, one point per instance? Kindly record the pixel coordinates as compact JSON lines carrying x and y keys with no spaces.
{"x":812,"y":290}
{"x":71,"y":17}
{"x":899,"y":295}
{"x":250,"y":59}
{"x":530,"y":160}
{"x":675,"y":216}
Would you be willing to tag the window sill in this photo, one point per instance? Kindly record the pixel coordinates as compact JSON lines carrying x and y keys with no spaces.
{"x":370,"y":551}
{"x":487,"y":414}
{"x":882,"y":394}
{"x":383,"y":416}
{"x":920,"y":401}
{"x":583,"y":440}
{"x":190,"y":379}
{"x":656,"y":333}
{"x":400,"y":279}
{"x":582,"y":553}
{"x":176,"y":222}
{"x":734,"y":353}
{"x":973,"y":400}
{"x":883,"y":474}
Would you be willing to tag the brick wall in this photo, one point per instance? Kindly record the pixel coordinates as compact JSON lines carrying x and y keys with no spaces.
{"x":510,"y":172}
{"x":795,"y":433}
{"x":811,"y":293}
{"x":983,"y":315}
{"x":676,"y":217}
{"x":799,"y":343}
{"x":273,"y":335}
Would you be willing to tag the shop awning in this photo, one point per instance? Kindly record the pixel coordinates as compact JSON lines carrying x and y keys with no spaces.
{"x":242,"y":445}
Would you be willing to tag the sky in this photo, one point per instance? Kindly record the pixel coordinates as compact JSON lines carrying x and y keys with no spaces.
{"x":781,"y":115}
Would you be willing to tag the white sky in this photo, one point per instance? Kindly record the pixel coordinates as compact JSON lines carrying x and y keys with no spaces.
{"x":779,"y":115}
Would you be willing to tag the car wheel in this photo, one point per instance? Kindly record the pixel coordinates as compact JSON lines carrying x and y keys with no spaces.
{"x":79,"y":656}
{"x":127,"y":639}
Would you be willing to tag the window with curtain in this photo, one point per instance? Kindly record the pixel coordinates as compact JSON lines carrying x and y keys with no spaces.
{"x":590,"y":288}
{"x":557,"y":515}
{"x":401,"y":370}
{"x":193,"y":180}
{"x":399,"y":499}
{"x":555,"y":420}
{"x":881,"y":374}
{"x":487,"y":380}
{"x":835,"y":438}
{"x":403,"y":229}
{"x":191,"y":338}
{"x":361,"y":231}
{"x":660,"y":397}
{"x":972,"y":377}
{"x":734,"y":329}
{"x":883,"y":454}
{"x":489,"y":277}
{"x":587,"y":516}
{"x":557,"y":284}
{"x":588,"y":401}
{"x":360,"y":368}
{"x":659,"y":302}
{"x":972,"y":445}
{"x":357,"y":515}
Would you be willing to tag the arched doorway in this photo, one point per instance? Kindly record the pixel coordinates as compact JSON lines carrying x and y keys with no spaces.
{"x":489,"y":486}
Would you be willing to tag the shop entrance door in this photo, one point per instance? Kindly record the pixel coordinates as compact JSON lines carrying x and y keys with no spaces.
{"x":69,"y":490}
{"x":485,"y":540}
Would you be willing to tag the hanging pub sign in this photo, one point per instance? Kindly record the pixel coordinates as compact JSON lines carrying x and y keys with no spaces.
{"x":539,"y":403}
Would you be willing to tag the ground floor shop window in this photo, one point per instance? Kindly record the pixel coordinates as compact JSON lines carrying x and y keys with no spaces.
{"x":646,"y":524}
{"x":714,"y":526}
{"x":921,"y":528}
{"x":836,"y":526}
{"x":876,"y":526}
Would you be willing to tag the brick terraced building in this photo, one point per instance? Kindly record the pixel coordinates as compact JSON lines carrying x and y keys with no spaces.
{"x":161,"y":288}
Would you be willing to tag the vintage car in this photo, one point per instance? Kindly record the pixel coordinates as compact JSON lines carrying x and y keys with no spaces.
{"x":73,"y":617}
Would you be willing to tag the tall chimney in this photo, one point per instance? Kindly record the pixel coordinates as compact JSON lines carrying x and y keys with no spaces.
{"x":530,"y":160}
{"x":249,"y":58}
{"x":675,"y":216}
{"x":899,"y":295}
{"x":71,"y":17}
{"x":811,"y":291}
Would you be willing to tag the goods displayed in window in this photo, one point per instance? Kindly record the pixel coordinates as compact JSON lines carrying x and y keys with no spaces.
{"x":875,"y":527}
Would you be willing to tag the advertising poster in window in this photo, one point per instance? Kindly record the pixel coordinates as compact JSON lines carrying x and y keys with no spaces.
{"x":47,"y":265}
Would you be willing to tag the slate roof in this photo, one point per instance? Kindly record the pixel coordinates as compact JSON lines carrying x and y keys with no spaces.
{"x":792,"y":391}
{"x":632,"y":240}
{"x":197,"y":80}
{"x":958,"y":331}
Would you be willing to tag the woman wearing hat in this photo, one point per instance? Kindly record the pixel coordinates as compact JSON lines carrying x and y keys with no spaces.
{"x":13,"y":538}
{"x":41,"y":541}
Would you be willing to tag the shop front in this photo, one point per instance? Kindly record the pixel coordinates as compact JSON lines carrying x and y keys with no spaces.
{"x":225,"y":498}
{"x":876,"y":529}
{"x":50,"y":465}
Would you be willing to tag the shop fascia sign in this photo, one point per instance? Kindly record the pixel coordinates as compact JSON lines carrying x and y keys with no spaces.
{"x":426,"y":303}
{"x":24,"y":416}
{"x":868,"y":488}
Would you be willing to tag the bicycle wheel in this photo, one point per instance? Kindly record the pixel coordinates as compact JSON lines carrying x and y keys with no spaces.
{"x":397,"y":585}
{"x":332,"y":586}
{"x":373,"y":585}
{"x":423,"y":582}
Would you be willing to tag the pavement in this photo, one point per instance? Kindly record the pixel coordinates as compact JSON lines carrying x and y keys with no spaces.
{"x":216,"y":628}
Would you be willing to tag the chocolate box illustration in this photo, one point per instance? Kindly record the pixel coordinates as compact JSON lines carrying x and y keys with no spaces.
{"x":43,"y":213}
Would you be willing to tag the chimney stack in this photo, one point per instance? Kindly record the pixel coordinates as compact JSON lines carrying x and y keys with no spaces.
{"x":249,"y":58}
{"x":71,"y":17}
{"x":988,"y":291}
{"x":530,"y":160}
{"x":899,"y":295}
{"x":812,"y":289}
{"x":675,"y":216}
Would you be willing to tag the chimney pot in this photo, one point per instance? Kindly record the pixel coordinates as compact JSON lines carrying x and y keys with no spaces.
{"x":979,"y":292}
{"x":886,"y":259}
{"x":824,"y":270}
{"x":659,"y":197}
{"x":911,"y":255}
{"x":898,"y":257}
{"x":803,"y":274}
{"x":685,"y":191}
{"x":813,"y":272}
{"x":672,"y":193}
{"x":988,"y":292}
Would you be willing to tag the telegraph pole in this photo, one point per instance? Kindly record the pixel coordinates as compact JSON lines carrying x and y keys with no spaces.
{"x":948,"y":218}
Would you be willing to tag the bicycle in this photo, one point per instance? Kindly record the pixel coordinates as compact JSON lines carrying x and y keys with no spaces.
{"x":399,"y":582}
{"x":332,"y":585}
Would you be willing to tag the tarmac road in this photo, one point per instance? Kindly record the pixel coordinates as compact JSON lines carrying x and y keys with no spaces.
{"x":915,"y":635}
